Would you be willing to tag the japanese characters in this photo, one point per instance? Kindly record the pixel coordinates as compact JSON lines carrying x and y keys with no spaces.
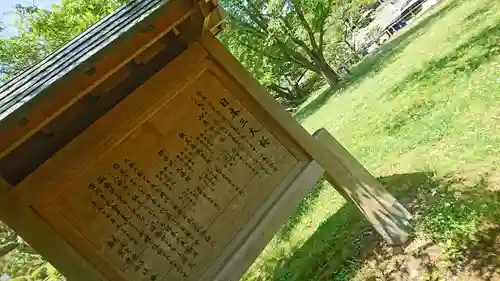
{"x":167,"y":200}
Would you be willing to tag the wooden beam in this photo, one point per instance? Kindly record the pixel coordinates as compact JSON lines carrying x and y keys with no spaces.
{"x":37,"y":149}
{"x":32,"y":228}
{"x":78,"y":84}
{"x":387,"y":215}
{"x":213,"y":19}
{"x":4,"y":187}
{"x":271,"y":218}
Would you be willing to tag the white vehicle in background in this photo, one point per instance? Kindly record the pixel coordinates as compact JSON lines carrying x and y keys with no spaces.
{"x":388,"y":19}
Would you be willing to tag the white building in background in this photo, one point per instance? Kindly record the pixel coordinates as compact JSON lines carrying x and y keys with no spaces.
{"x":388,"y":18}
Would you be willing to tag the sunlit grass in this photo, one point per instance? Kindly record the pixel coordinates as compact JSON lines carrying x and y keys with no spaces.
{"x":428,"y":102}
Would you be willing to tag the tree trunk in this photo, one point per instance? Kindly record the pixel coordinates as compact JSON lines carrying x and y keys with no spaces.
{"x":330,"y":76}
{"x":281,"y":92}
{"x":299,"y":92}
{"x":291,"y":97}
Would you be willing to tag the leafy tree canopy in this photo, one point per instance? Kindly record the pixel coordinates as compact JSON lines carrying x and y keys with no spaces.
{"x":284,"y":31}
{"x":41,"y":31}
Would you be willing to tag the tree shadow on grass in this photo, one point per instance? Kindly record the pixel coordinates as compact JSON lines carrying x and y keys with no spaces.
{"x":388,"y":52}
{"x":447,"y":209}
{"x":477,"y":16}
{"x":377,"y":61}
{"x":315,"y":104}
{"x":304,"y":208}
{"x":462,"y":62}
{"x":483,"y":253}
{"x":465,"y":214}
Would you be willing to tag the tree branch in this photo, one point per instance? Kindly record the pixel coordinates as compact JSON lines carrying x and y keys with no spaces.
{"x":259,"y":50}
{"x":321,"y":38}
{"x":288,"y":31}
{"x":7,"y":248}
{"x":293,"y":55}
{"x":310,"y":52}
{"x":255,"y":17}
{"x":248,"y":27}
{"x":298,"y":58}
{"x":305,"y":24}
{"x":25,"y":248}
{"x":302,"y":75}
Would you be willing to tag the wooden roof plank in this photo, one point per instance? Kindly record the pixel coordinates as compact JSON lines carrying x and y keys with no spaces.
{"x":75,"y":83}
{"x":23,"y":87}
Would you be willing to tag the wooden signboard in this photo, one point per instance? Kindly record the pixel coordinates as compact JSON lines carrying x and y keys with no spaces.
{"x":160,"y":197}
{"x":184,"y":176}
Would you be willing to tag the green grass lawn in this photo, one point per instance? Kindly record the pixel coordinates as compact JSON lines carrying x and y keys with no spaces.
{"x":423,"y":115}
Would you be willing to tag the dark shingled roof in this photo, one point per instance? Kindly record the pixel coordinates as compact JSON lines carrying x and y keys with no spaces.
{"x":22,"y":88}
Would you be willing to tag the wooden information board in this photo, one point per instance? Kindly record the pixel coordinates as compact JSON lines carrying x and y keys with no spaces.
{"x":164,"y":202}
{"x":161,"y":195}
{"x":165,"y":161}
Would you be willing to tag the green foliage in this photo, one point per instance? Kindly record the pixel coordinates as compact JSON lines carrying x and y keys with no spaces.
{"x":284,"y":31}
{"x":460,"y":211}
{"x":18,"y":53}
{"x":22,"y":263}
{"x":285,"y":80}
{"x":41,"y":32}
{"x":278,"y":40}
{"x":264,"y":68}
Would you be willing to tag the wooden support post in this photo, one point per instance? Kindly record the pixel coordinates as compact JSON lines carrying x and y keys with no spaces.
{"x":270,"y":223}
{"x":34,"y":230}
{"x":387,"y":215}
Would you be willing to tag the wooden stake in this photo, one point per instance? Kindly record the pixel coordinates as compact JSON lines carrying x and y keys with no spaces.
{"x":387,"y":215}
{"x":34,"y":230}
{"x":269,"y":224}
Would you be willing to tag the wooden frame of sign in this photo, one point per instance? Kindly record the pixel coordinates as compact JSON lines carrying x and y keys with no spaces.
{"x":187,"y":177}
